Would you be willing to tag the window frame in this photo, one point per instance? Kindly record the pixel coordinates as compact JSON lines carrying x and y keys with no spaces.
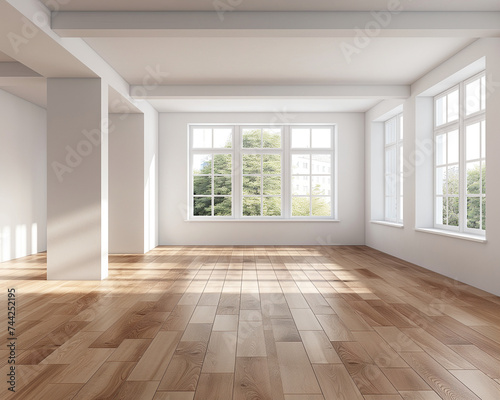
{"x":460,"y":125}
{"x":398,"y":144}
{"x":286,"y":152}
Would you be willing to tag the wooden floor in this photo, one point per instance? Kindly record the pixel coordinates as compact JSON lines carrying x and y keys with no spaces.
{"x":287,"y":323}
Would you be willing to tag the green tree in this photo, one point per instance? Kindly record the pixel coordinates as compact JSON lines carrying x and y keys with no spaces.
{"x":476,"y":184}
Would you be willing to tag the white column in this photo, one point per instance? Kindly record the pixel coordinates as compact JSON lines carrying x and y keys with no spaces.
{"x":126,"y":183}
{"x":77,"y":179}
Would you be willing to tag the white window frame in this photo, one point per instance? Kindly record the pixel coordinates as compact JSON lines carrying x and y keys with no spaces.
{"x":397,"y":174}
{"x":213,"y":151}
{"x":460,"y":125}
{"x":286,"y":152}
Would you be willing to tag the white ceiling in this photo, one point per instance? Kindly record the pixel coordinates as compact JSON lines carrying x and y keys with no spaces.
{"x":204,"y":60}
{"x":278,"y":61}
{"x":268,"y":5}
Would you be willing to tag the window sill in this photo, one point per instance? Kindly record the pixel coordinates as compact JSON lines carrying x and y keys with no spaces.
{"x":387,"y":223}
{"x":260,"y":220}
{"x":457,"y":235}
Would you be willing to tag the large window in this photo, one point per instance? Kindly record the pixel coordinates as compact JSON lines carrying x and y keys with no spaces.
{"x":262,"y":172}
{"x":460,"y":157}
{"x":393,"y":159}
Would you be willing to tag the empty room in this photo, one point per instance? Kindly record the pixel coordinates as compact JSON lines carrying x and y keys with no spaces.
{"x":250,"y":199}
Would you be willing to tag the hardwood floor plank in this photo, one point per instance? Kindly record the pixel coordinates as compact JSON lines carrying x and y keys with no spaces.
{"x":184,"y":369}
{"x":155,"y":360}
{"x":366,"y":375}
{"x":251,"y":380}
{"x":214,"y":386}
{"x":319,"y":349}
{"x":335,"y":328}
{"x":221,"y":353}
{"x":137,"y":390}
{"x":130,"y":350}
{"x":405,"y":379}
{"x":438,"y":378}
{"x":480,"y":359}
{"x":174,"y":396}
{"x":305,"y":320}
{"x":296,"y":373}
{"x":483,"y":386}
{"x":336,"y":383}
{"x":106,"y":382}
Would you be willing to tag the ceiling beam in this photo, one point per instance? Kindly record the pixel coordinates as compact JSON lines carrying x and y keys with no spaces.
{"x":236,"y":23}
{"x":16,"y":70}
{"x":271,"y":92}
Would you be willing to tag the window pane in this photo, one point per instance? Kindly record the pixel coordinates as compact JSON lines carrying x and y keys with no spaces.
{"x":440,"y":180}
{"x":483,"y":177}
{"x":453,"y":179}
{"x":401,"y":163}
{"x":301,"y":138}
{"x":401,"y":208}
{"x":473,"y":212}
{"x":321,"y":207}
{"x":453,"y":211}
{"x":321,"y":138}
{"x":202,"y":185}
{"x":223,"y":138}
{"x":222,"y":185}
{"x":251,"y":138}
{"x":472,"y":97}
{"x":441,"y":210}
{"x":401,"y":183}
{"x":483,"y":139}
{"x":321,"y":185}
{"x":202,"y":206}
{"x":483,"y":93}
{"x":301,"y":163}
{"x":301,"y":206}
{"x":251,"y":185}
{"x":202,"y":138}
{"x":390,"y":208}
{"x":390,"y":185}
{"x":440,"y":149}
{"x":390,"y":160}
{"x":390,"y":131}
{"x":484,"y":214}
{"x":441,"y":111}
{"x":321,"y":164}
{"x":272,"y":206}
{"x":272,"y":185}
{"x":472,"y":141}
{"x":251,"y":206}
{"x":222,"y":163}
{"x":272,"y":138}
{"x":453,"y":106}
{"x":251,"y":164}
{"x":453,"y":149}
{"x":300,"y":185}
{"x":222,"y":206}
{"x":473,"y":178}
{"x":401,"y":127}
{"x":202,"y":164}
{"x":272,"y":164}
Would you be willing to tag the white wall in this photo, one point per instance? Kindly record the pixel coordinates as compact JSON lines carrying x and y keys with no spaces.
{"x":474,"y":263}
{"x":23,"y":177}
{"x":150,"y":177}
{"x":126,"y":183}
{"x":173,"y":187}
